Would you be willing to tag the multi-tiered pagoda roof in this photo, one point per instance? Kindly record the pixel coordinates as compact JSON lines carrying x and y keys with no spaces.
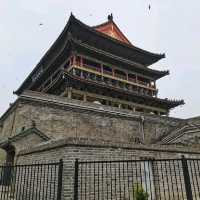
{"x":100,"y":58}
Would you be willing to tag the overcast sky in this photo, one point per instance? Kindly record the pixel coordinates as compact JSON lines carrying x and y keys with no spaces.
{"x":171,"y":27}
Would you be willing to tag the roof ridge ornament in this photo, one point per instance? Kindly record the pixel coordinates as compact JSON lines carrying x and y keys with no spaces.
{"x":110,"y":17}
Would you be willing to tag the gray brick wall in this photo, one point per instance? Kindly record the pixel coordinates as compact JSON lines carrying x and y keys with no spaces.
{"x":69,"y":152}
{"x":98,"y":132}
{"x":89,"y":121}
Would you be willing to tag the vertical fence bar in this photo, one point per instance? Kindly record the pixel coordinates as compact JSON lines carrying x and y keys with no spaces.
{"x":102,"y":180}
{"x":180,"y":179}
{"x":81,"y":181}
{"x":60,"y":176}
{"x":76,"y":174}
{"x":98,"y":186}
{"x":90,"y":181}
{"x":94,"y":180}
{"x":192,"y":176}
{"x":175,"y":176}
{"x":187,"y":179}
{"x":86,"y":180}
{"x":47,"y":182}
{"x":110,"y":179}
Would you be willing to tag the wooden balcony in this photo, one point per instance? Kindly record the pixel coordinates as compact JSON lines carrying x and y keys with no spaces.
{"x":51,"y":80}
{"x":113,"y":81}
{"x":110,"y":71}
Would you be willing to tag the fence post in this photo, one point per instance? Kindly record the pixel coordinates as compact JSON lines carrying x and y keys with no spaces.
{"x":76,"y":180}
{"x":187,"y":179}
{"x":60,"y":177}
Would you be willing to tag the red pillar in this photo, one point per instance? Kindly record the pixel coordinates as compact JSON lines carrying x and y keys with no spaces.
{"x":113,"y":71}
{"x":74,"y":60}
{"x":81,"y":60}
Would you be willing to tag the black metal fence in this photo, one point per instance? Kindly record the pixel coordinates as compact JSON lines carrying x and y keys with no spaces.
{"x":31,"y":182}
{"x":169,"y":179}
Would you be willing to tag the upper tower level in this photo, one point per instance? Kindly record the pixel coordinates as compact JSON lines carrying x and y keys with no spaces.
{"x":99,"y":64}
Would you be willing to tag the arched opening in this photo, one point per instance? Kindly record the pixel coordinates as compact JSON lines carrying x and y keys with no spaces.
{"x":10,"y":155}
{"x":7,"y":168}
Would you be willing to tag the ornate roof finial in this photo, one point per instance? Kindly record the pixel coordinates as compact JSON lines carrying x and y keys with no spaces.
{"x":110,"y":17}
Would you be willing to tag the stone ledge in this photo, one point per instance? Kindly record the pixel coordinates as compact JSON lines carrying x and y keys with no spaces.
{"x":53,"y":144}
{"x":85,"y":106}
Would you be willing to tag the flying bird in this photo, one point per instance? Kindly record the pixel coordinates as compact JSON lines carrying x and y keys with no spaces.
{"x":41,"y":24}
{"x":149,"y":7}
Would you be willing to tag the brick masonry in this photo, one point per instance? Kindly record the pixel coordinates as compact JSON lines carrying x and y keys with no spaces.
{"x":79,"y":130}
{"x":90,"y":150}
{"x":57,"y":118}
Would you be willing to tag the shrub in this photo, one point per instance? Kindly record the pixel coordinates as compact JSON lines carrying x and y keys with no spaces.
{"x":139,"y":193}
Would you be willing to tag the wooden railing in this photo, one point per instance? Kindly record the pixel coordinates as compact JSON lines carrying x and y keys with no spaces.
{"x":107,"y":72}
{"x":121,"y":76}
{"x":132,"y":80}
{"x":118,"y":77}
{"x":50,"y":80}
{"x":91,"y":67}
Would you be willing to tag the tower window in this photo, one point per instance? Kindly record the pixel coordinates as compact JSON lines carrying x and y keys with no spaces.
{"x":120,"y":74}
{"x":107,"y":70}
{"x":92,"y":64}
